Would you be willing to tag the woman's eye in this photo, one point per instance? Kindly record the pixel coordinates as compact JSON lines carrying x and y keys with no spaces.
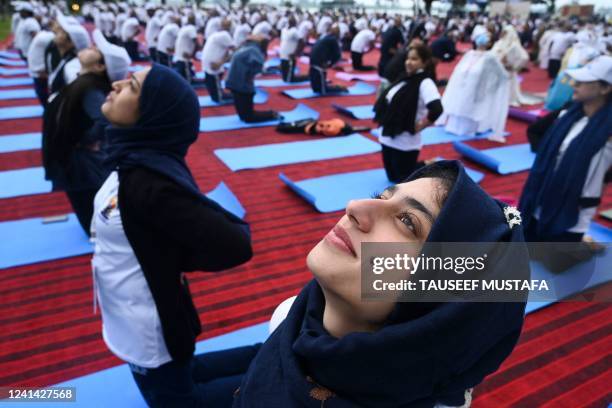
{"x":376,"y":196}
{"x":406,"y":219}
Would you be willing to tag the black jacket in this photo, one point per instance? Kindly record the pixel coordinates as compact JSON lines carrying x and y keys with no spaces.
{"x":171,"y":231}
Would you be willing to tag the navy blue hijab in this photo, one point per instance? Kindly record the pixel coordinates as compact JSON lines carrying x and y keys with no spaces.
{"x":558,"y":191}
{"x":426,"y":353}
{"x":168,"y":124}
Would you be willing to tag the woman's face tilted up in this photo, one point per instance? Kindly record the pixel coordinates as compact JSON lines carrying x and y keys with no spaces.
{"x":403,"y":213}
{"x":122,"y":103}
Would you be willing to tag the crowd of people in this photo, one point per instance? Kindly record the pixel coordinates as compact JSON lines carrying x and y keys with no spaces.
{"x":116,"y":145}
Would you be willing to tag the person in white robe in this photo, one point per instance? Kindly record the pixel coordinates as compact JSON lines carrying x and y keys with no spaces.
{"x":477,"y":96}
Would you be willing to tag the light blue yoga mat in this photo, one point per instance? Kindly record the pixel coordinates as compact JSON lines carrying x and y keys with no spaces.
{"x":226,"y":199}
{"x":231,"y":122}
{"x":360,"y":88}
{"x":9,"y":54}
{"x":115,"y":387}
{"x":13,"y":71}
{"x":257,"y":157}
{"x":12,"y":62}
{"x":15,"y":143}
{"x":331,"y":193}
{"x":17,"y":94}
{"x":16,"y":81}
{"x":261,"y":96}
{"x":21,"y":112}
{"x":15,"y":183}
{"x":503,"y":160}
{"x":437,"y":135}
{"x":357,"y":112}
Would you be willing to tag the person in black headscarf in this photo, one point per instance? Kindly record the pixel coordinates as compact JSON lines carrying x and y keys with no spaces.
{"x":152,"y":224}
{"x":337,"y":349}
{"x":73,"y":127}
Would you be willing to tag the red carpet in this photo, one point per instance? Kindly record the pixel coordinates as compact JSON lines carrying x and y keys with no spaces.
{"x":49,"y":333}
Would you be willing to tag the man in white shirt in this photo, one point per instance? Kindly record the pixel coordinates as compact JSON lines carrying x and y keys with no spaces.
{"x":26,"y":29}
{"x":362,"y":43}
{"x":560,"y":42}
{"x":291,"y":45}
{"x":36,"y":64}
{"x":217,"y":51}
{"x":152,"y":31}
{"x":241,"y":32}
{"x":186,"y":46}
{"x":213,"y":24}
{"x":305,"y":29}
{"x":129,"y":32}
{"x":167,"y":41}
{"x":264,"y":30}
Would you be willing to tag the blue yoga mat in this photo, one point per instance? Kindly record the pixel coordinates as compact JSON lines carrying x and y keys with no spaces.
{"x":357,"y":112}
{"x":21,"y":112}
{"x":4,"y":82}
{"x":257,"y":157}
{"x":437,"y":135}
{"x":503,"y":160}
{"x":360,"y":88}
{"x":9,"y":54}
{"x":12,"y":62}
{"x":331,"y":193}
{"x":15,"y":183}
{"x":13,"y":71}
{"x":15,"y":143}
{"x":231,"y":122}
{"x":261,"y":96}
{"x":17,"y":94}
{"x":226,"y":199}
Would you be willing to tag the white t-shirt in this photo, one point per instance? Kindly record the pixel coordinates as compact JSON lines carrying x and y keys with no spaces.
{"x":405,"y":141}
{"x":167,"y":38}
{"x":344,"y":29}
{"x":25,"y":33}
{"x":289,"y":41}
{"x":361,"y":24}
{"x":131,"y":326}
{"x":560,"y":43}
{"x":36,"y":53}
{"x":185,"y":43}
{"x":215,"y":50}
{"x":304,"y":29}
{"x":362,"y":41}
{"x":324,"y":23}
{"x":212,"y":26}
{"x":121,"y":18}
{"x":154,"y":26}
{"x":129,"y":29}
{"x":264,"y":29}
{"x":241,"y":33}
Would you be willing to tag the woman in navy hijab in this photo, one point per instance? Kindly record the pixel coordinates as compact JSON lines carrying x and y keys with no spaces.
{"x":151,"y":224}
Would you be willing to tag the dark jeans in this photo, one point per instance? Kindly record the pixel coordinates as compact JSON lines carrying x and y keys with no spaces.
{"x":132,"y":48}
{"x":213,"y":85}
{"x":42,"y":92}
{"x":247,"y":113}
{"x":164,"y":59}
{"x":357,"y":58}
{"x":288,"y":71}
{"x":399,"y":164}
{"x":554,"y":66}
{"x":153,"y":54}
{"x":207,"y":380}
{"x":319,"y":84}
{"x":184,"y":69}
{"x":82,"y":202}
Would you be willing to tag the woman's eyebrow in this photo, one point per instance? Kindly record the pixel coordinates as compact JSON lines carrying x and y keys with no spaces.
{"x":417,"y":205}
{"x":391,"y":190}
{"x":133,"y":78}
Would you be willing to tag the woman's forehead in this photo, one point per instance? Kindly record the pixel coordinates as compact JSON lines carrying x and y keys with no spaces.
{"x":423,"y":189}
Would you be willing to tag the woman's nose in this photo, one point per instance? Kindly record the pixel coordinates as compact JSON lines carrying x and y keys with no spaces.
{"x":363,"y":213}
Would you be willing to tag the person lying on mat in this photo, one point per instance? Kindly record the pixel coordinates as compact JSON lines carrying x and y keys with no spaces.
{"x":404,"y":109}
{"x":247,"y":62}
{"x":335,"y":349}
{"x":152,"y":224}
{"x":566,"y":182}
{"x":324,"y":54}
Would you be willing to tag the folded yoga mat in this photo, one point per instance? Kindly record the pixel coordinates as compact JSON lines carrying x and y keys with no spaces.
{"x":15,"y":143}
{"x":354,"y":76}
{"x":261,"y":96}
{"x":27,"y":93}
{"x":528,"y":116}
{"x":437,"y":135}
{"x":257,"y":157}
{"x":12,"y":62}
{"x":357,"y":112}
{"x":503,"y":160}
{"x":231,"y":122}
{"x":14,"y":71}
{"x":21,"y":112}
{"x":360,"y":88}
{"x":34,"y":241}
{"x":333,"y":192}
{"x":4,"y":82}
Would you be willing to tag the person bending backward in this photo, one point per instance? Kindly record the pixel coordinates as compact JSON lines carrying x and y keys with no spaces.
{"x":74,"y":127}
{"x":404,"y":109}
{"x":336,"y":350}
{"x":151,"y":224}
{"x":247,"y":62}
{"x":325,"y":53}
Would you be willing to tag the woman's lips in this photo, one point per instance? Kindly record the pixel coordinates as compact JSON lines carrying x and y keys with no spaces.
{"x":339,"y":238}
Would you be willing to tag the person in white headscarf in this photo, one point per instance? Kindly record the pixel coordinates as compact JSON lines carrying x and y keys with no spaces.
{"x":514,"y":58}
{"x":477,"y":96}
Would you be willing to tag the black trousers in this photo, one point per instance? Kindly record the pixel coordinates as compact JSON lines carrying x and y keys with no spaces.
{"x":213,"y":85}
{"x":288,"y":71}
{"x":153,"y":54}
{"x":246,"y":111}
{"x":319,"y":84}
{"x":164,"y":59}
{"x":41,"y":89}
{"x":82,"y":202}
{"x":554,"y":65}
{"x":400,"y":164}
{"x":184,"y":69}
{"x":357,"y":58}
